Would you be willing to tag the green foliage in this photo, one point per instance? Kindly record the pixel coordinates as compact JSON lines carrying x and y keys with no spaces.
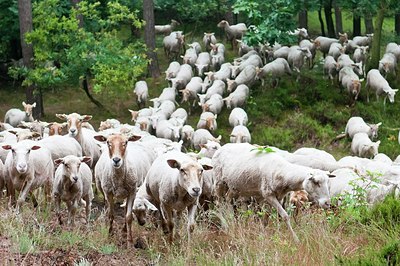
{"x":94,"y":51}
{"x":264,"y":149}
{"x":9,"y":27}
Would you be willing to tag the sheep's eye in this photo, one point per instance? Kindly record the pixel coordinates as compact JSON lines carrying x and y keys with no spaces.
{"x":29,"y":151}
{"x":182,"y":171}
{"x":79,"y":165}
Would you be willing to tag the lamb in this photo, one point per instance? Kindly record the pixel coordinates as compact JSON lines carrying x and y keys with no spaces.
{"x":183,"y":77}
{"x":208,"y":121}
{"x":330,"y":67}
{"x":324,"y":43}
{"x":241,"y":171}
{"x":187,"y":133}
{"x":172,"y":70}
{"x":247,"y":77}
{"x":142,"y":93}
{"x":122,"y":168}
{"x":253,"y":60}
{"x":165,"y":129}
{"x":388,"y":64}
{"x":166,"y":29}
{"x":362,"y":146}
{"x":313,"y":49}
{"x":296,"y":57}
{"x":218,"y":87}
{"x":190,"y":57}
{"x":274,"y":70}
{"x":202,"y":63}
{"x":82,"y":135}
{"x":335,"y":50}
{"x":282,"y":52}
{"x":175,"y":173}
{"x":357,"y":125}
{"x":168,"y":94}
{"x":350,"y":82}
{"x":238,"y":116}
{"x":214,"y":104}
{"x":240,"y":134}
{"x":173,"y":44}
{"x":14,"y":116}
{"x":208,"y":39}
{"x":72,"y":182}
{"x":393,"y":48}
{"x":141,"y":112}
{"x":237,"y":98}
{"x":200,"y":136}
{"x":232,"y":32}
{"x":379,"y":84}
{"x":28,"y":166}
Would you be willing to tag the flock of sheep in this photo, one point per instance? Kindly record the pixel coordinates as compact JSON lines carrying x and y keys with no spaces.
{"x":144,"y":166}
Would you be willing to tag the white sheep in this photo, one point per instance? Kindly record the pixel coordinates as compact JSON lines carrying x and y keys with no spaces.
{"x":166,"y":107}
{"x":253,"y":60}
{"x":363,"y":40}
{"x":14,"y":116}
{"x":208,"y":121}
{"x":388,"y":64}
{"x":335,"y":50}
{"x":350,"y":82}
{"x":330,"y":67}
{"x":243,"y":48}
{"x":72,"y":182}
{"x":381,"y":157}
{"x":393,"y":48}
{"x":208,"y":39}
{"x":324,"y":43}
{"x":233,"y":32}
{"x":377,"y":83}
{"x":362,"y":146}
{"x":301,"y":33}
{"x":214,"y":104}
{"x":61,"y":146}
{"x":173,"y":44}
{"x":313,"y":49}
{"x":168,"y":94}
{"x":172,"y":70}
{"x":202,"y":63}
{"x":181,"y":114}
{"x":122,"y":168}
{"x":200,"y":136}
{"x":357,"y":125}
{"x":183,"y":77}
{"x":142,"y":93}
{"x":296,"y":57}
{"x":190,"y":57}
{"x":237,"y":98}
{"x":166,"y":29}
{"x":109,"y":123}
{"x":241,"y":171}
{"x":165,"y":129}
{"x":217,"y":60}
{"x":345,"y":61}
{"x":361,"y":55}
{"x":273,"y":70}
{"x":208,"y":150}
{"x":238,"y":116}
{"x":144,"y":123}
{"x":196,"y":46}
{"x":28,"y":166}
{"x":238,"y":61}
{"x":247,"y":77}
{"x":282,"y":52}
{"x":222,"y":74}
{"x":218,"y":87}
{"x":240,"y":134}
{"x":187,"y":133}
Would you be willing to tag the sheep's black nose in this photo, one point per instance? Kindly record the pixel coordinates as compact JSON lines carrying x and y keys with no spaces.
{"x":116,"y":160}
{"x":196,"y":189}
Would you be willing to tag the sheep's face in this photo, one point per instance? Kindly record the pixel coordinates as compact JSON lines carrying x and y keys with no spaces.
{"x":211,"y":123}
{"x":373,"y":130}
{"x":28,"y":108}
{"x":56,"y":128}
{"x":316,"y":185}
{"x":371,"y":150}
{"x":234,"y":71}
{"x":190,"y":176}
{"x":74,"y":122}
{"x":134,"y":115}
{"x":140,"y":207}
{"x":209,"y":149}
{"x":21,"y":153}
{"x":391,"y":95}
{"x":72,"y":166}
{"x":104,"y":125}
{"x":231,"y":85}
{"x":222,"y":24}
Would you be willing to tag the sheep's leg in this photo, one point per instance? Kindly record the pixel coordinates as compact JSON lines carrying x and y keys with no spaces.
{"x":72,"y":206}
{"x":129,"y":218}
{"x":57,"y":203}
{"x":168,"y":218}
{"x":88,"y":206}
{"x":23,"y":194}
{"x":33,"y":198}
{"x":191,"y":222}
{"x":275,"y":203}
{"x":110,"y":209}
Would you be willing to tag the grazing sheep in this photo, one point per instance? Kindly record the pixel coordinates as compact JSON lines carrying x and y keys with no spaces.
{"x":183,"y":77}
{"x":122,"y":168}
{"x":243,"y":48}
{"x":208,"y":39}
{"x":388,"y":64}
{"x":200,"y":136}
{"x":238,"y":116}
{"x":172,"y":70}
{"x":335,"y":50}
{"x":362,"y":146}
{"x":363,"y":40}
{"x":379,"y":84}
{"x":350,"y":82}
{"x":240,"y":170}
{"x":142,"y":93}
{"x":240,"y":134}
{"x":72,"y":182}
{"x":247,"y":77}
{"x":324,"y":43}
{"x":173,"y":44}
{"x":202,"y":63}
{"x":14,"y":116}
{"x":274,"y":70}
{"x":222,"y":74}
{"x":313,"y":49}
{"x":214,"y":104}
{"x":208,"y":121}
{"x":357,"y":125}
{"x":233,"y":32}
{"x":330,"y":67}
{"x":282,"y":52}
{"x":393,"y":48}
{"x":253,"y":60}
{"x":166,"y":29}
{"x":190,"y":57}
{"x":237,"y":98}
{"x":28,"y":166}
{"x":168,"y":94}
{"x":218,"y":87}
{"x":296,"y":57}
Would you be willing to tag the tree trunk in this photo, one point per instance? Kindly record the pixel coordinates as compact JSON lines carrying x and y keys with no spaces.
{"x":369,"y":25}
{"x":329,"y":20}
{"x":150,"y":37}
{"x":376,"y":41}
{"x":86,"y":89}
{"x":79,"y":16}
{"x":321,"y":22}
{"x":38,"y":111}
{"x":356,"y":25}
{"x":397,"y":24}
{"x":303,"y":19}
{"x":338,"y":18}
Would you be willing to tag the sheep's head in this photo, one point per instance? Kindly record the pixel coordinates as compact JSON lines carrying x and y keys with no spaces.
{"x":140,"y":207}
{"x":391,"y":94}
{"x":343,"y":38}
{"x":117,"y":144}
{"x":28,"y":108}
{"x":21,"y":152}
{"x":74,"y":121}
{"x":134,"y":115}
{"x":71,"y":166}
{"x":373,"y":129}
{"x":371,"y":150}
{"x":316,"y":185}
{"x":57,"y":128}
{"x":211,"y":122}
{"x":222,"y":24}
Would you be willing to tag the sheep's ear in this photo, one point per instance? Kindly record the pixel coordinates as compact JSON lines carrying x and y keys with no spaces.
{"x":380,"y":123}
{"x":13,"y":132}
{"x":23,"y":104}
{"x":7,"y":147}
{"x":219,"y":137}
{"x":331,"y":176}
{"x":205,"y":33}
{"x":378,"y":142}
{"x":149,"y":205}
{"x":85,"y":159}
{"x":36,"y":135}
{"x":207,"y":167}
{"x":202,"y":146}
{"x":34,"y":148}
{"x":86,"y":118}
{"x":62,"y":116}
{"x":34,"y":104}
{"x":174,"y":164}
{"x":134,"y":138}
{"x":100,"y":138}
{"x":396,"y":90}
{"x":58,"y":161}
